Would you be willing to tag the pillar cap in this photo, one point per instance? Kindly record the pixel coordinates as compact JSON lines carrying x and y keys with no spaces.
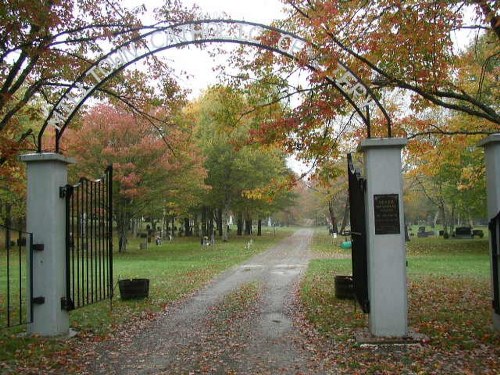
{"x":492,"y":138}
{"x":382,"y":143}
{"x":46,"y":156}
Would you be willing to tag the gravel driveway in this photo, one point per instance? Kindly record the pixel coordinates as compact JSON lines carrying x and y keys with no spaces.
{"x":262,"y":340}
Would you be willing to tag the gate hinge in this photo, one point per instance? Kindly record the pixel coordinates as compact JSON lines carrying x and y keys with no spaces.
{"x":67,"y":304}
{"x":38,"y":247}
{"x":65,"y":191}
{"x":38,"y":300}
{"x":367,"y":307}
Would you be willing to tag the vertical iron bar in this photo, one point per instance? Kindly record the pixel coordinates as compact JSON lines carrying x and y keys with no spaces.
{"x":110,"y":228}
{"x":67,"y":227}
{"x":79,"y":267}
{"x":19,"y":248}
{"x":91,"y":239}
{"x":30,"y":275}
{"x":94,"y":240}
{"x":86,"y":210}
{"x":91,"y":248}
{"x":494,"y":227}
{"x":106,"y":232}
{"x":368,"y":121}
{"x":72,"y":246}
{"x":99,"y":238}
{"x":7,"y":243}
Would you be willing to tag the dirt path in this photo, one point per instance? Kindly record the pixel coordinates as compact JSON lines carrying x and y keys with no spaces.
{"x":194,"y":337}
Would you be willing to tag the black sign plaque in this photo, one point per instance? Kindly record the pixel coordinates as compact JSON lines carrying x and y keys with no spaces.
{"x":386,"y":208}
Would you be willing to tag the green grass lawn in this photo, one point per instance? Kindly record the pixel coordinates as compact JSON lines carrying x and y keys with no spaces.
{"x":449,"y":301}
{"x":175,"y":270}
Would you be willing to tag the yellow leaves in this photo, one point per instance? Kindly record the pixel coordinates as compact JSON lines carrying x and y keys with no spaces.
{"x":254,"y":194}
{"x":269,"y":192}
{"x":470,"y":177}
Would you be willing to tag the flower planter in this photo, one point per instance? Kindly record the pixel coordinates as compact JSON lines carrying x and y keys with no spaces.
{"x":133,"y":288}
{"x":344,"y":287}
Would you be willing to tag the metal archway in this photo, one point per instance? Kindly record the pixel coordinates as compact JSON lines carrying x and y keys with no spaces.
{"x":160,"y":38}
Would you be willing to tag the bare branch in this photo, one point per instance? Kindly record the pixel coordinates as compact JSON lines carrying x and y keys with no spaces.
{"x":450,"y":133}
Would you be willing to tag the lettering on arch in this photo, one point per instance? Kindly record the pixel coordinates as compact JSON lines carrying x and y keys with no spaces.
{"x":198,"y":32}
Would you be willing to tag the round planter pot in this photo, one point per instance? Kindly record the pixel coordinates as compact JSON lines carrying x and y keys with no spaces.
{"x":346,"y":245}
{"x":344,"y":287}
{"x":133,"y":288}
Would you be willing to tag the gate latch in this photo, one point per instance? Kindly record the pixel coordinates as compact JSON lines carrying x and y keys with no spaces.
{"x":38,"y":300}
{"x":65,"y":191}
{"x":67,"y":304}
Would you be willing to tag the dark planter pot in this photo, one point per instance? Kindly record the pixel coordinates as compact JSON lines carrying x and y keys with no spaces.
{"x":133,"y":288}
{"x":344,"y":287}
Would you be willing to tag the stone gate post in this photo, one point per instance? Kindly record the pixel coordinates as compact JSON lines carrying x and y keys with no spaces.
{"x":491,"y":146}
{"x":46,"y":219}
{"x":386,"y":251}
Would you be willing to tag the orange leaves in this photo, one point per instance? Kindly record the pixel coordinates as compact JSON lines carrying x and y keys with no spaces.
{"x":147,"y":159}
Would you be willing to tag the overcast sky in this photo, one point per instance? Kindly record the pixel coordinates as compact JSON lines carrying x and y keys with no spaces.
{"x":199,"y":64}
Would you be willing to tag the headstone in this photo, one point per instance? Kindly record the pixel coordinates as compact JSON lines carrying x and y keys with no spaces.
{"x":463,"y":232}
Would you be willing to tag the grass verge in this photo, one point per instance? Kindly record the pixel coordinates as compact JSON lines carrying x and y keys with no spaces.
{"x":449,"y":301}
{"x":175,"y":270}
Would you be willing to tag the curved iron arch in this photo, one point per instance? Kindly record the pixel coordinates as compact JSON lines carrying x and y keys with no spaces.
{"x":72,"y":104}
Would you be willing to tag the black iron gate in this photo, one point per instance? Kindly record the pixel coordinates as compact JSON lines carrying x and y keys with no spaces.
{"x":16,"y":278}
{"x":357,"y":187}
{"x":494,"y":227}
{"x":89,"y":241}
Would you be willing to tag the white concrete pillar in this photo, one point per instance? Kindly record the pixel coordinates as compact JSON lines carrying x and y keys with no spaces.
{"x":46,"y":220}
{"x":387,"y":288}
{"x":491,"y":146}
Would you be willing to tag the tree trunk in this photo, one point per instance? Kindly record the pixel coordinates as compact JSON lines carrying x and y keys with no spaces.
{"x":122,"y":240}
{"x":471,"y":222}
{"x":248,"y":226}
{"x":8,"y":223}
{"x":8,"y":215}
{"x":122,"y":223}
{"x":346,"y":216}
{"x":333,"y":218}
{"x":219,"y":222}
{"x":259,"y":227}
{"x":187,"y":231}
{"x":452,"y":218}
{"x":210,"y":222}
{"x":204,"y":225}
{"x":436,"y":218}
{"x":442,"y":212}
{"x":239,"y":225}
{"x":225,"y":225}
{"x":122,"y":233}
{"x":196,"y":226}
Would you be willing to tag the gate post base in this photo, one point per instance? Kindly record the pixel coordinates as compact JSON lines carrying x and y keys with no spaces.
{"x":491,"y":146}
{"x":46,"y":219}
{"x":386,"y":253}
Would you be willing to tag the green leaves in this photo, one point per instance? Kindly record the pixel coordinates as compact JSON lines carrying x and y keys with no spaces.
{"x":243,"y":176}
